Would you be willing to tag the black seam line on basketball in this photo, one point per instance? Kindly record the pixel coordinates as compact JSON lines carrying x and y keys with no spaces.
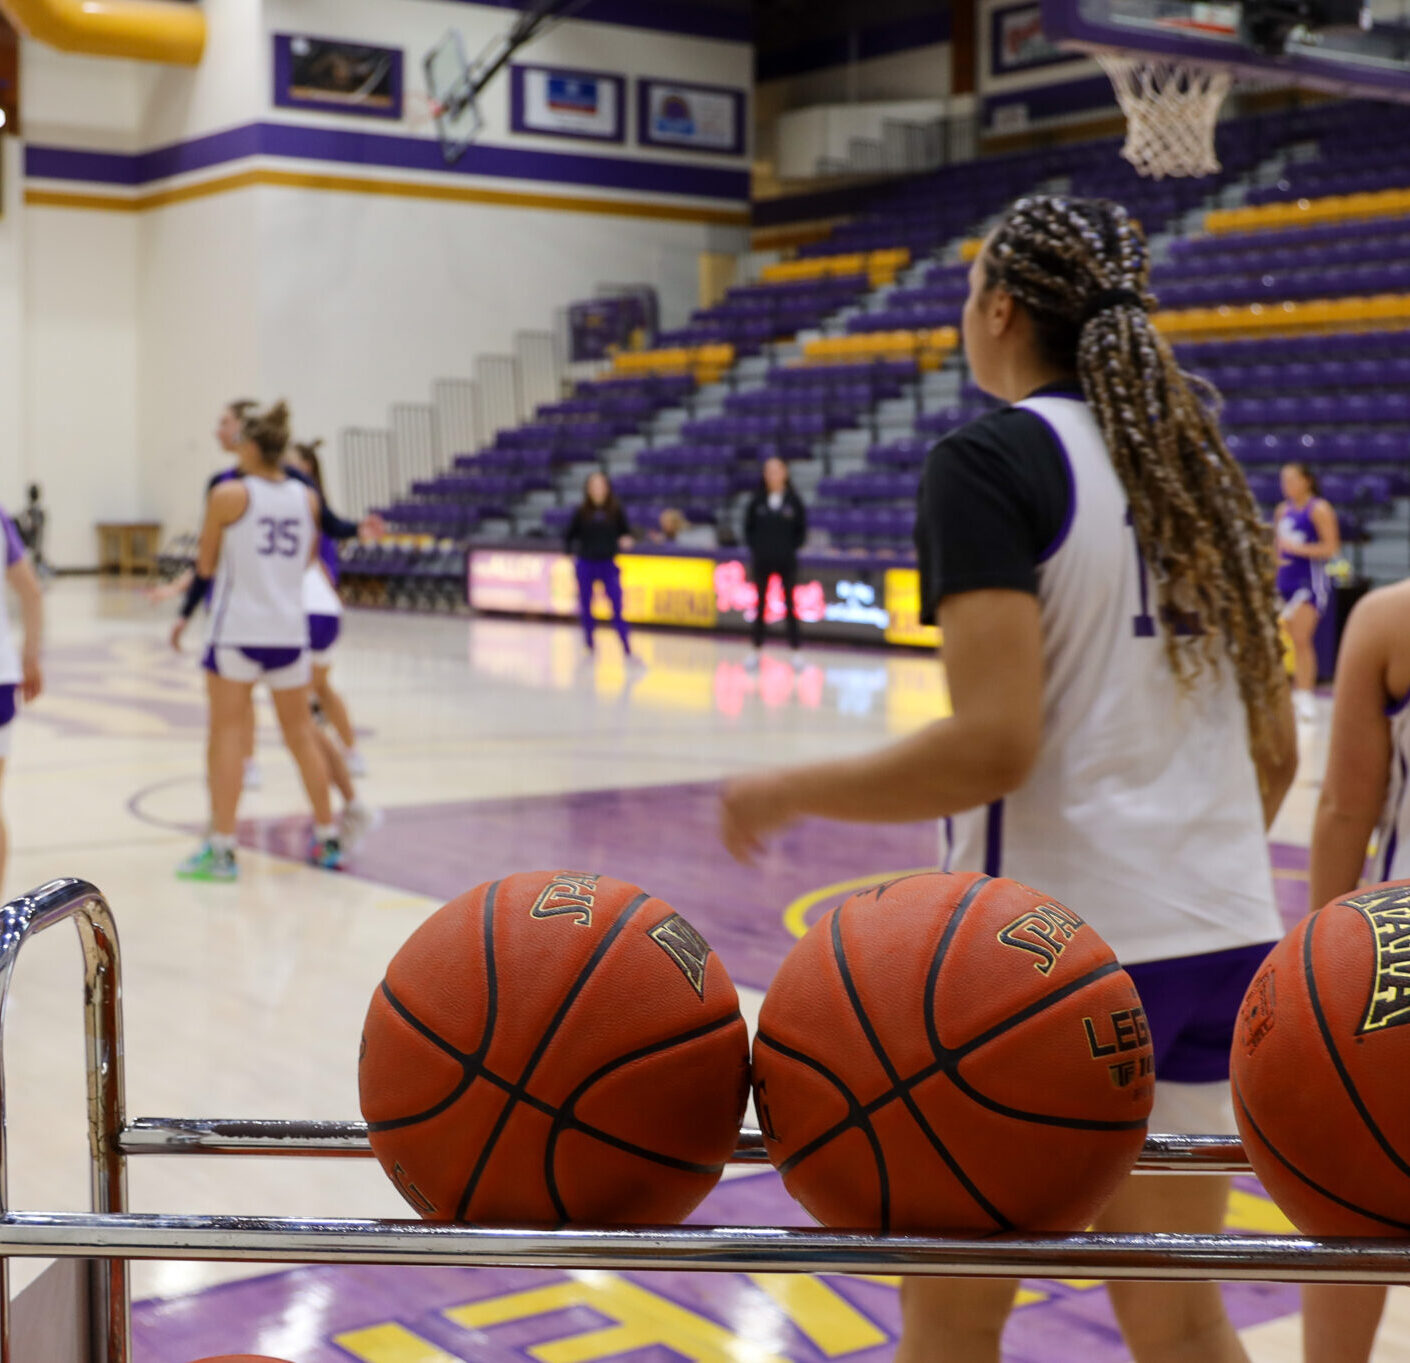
{"x":857,"y":1118}
{"x":469,"y":1061}
{"x":566,"y":1118}
{"x":469,"y":1076}
{"x":937,"y":959}
{"x":569,"y":999}
{"x":1034,"y":1010}
{"x":1042,"y":1119}
{"x":839,"y":952}
{"x":1311,"y":1183}
{"x":1310,"y":976}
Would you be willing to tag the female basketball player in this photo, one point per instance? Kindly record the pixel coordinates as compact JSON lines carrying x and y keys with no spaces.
{"x":1308,"y":536}
{"x":1365,"y":790}
{"x":258,"y":540}
{"x":598,"y":530}
{"x":20,"y":671}
{"x":1122,"y":731}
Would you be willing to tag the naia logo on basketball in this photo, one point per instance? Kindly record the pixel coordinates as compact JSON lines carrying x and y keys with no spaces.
{"x":1043,"y":932}
{"x":686,"y":947}
{"x":567,"y":896}
{"x":1388,"y":913}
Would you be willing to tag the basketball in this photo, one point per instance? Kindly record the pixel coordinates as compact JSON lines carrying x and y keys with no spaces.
{"x":1319,"y":1062}
{"x":241,"y":1358}
{"x":554,"y":1047}
{"x":953,"y":1054}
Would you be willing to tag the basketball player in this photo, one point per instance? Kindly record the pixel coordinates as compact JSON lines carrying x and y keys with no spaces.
{"x":597,"y":531}
{"x":21,"y":674}
{"x":1122,"y":730}
{"x":1308,"y":536}
{"x":1366,"y":789}
{"x":258,"y":540}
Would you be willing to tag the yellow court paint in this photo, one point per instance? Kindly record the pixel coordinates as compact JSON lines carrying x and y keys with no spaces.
{"x":391,"y":1344}
{"x":1248,"y":1211}
{"x":826,"y":1317}
{"x":644,"y":1319}
{"x":795,"y":916}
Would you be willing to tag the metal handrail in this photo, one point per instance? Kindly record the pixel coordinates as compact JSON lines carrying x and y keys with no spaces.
{"x":59,"y":901}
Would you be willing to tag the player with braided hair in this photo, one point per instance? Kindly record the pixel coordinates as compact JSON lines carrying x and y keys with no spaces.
{"x":1122,"y":730}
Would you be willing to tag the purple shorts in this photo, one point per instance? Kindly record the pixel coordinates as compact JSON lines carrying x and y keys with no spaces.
{"x":7,"y":715}
{"x":1192,"y":1004}
{"x":323,"y":633}
{"x":281,"y":669}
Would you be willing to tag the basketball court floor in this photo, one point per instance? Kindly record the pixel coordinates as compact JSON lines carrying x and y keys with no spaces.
{"x":492,"y":747}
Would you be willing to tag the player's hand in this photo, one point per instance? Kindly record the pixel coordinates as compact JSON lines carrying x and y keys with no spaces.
{"x":32,"y":677}
{"x":177,"y":630}
{"x":750,"y":809}
{"x":371,"y":527}
{"x":625,"y":543}
{"x":1290,"y":547}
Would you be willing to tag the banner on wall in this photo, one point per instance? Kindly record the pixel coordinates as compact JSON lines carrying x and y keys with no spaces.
{"x":1017,"y":41}
{"x":842,"y":602}
{"x":554,"y":102}
{"x":337,"y":77}
{"x":690,"y":117}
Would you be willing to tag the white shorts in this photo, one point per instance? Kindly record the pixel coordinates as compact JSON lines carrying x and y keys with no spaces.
{"x":281,"y":669}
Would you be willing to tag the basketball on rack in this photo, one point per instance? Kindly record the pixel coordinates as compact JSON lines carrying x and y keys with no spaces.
{"x":554,"y":1047}
{"x":1319,"y":1063}
{"x":953,"y":1054}
{"x":242,"y":1358}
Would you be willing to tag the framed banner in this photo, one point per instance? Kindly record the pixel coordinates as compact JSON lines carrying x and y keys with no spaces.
{"x":551,"y":101}
{"x":1017,"y":41}
{"x":705,"y":118}
{"x":337,"y":77}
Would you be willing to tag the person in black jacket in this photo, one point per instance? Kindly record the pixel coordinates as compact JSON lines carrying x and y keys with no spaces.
{"x":597,"y":531}
{"x":775,"y":526}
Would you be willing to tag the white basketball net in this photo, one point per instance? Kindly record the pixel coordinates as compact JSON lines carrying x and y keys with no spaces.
{"x":1171,"y":110}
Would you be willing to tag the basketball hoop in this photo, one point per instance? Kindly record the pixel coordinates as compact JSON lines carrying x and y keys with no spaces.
{"x":1171,"y":111}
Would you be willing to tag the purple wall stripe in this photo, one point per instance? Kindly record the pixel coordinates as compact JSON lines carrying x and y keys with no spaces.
{"x":389,"y":152}
{"x":700,"y":21}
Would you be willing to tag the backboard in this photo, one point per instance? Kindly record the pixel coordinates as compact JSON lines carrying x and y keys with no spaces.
{"x":1373,"y":62}
{"x":452,"y":91}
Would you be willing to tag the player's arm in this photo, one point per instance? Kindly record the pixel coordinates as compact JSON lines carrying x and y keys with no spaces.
{"x":315,"y":504}
{"x":25,"y":583}
{"x":224,"y":506}
{"x":1359,"y":753}
{"x":984,"y":751}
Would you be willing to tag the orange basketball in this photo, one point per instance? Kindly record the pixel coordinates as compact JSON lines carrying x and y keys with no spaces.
{"x":953,"y":1054}
{"x":242,"y":1358}
{"x":554,"y":1047}
{"x":1319,"y":1063}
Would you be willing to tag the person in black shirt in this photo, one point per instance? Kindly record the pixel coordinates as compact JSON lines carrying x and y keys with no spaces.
{"x":775,"y":526}
{"x":597,"y":531}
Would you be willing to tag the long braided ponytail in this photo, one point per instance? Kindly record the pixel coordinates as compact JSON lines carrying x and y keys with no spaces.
{"x":1080,"y":269}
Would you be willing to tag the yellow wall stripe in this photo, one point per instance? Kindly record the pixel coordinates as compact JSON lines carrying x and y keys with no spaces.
{"x":400,"y":189}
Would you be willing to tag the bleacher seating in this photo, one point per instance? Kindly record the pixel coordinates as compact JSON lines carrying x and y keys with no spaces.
{"x":1295,"y":304}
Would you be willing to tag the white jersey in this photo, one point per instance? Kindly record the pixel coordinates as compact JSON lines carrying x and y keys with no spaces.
{"x":320,"y":595}
{"x":1142,"y":811}
{"x":1392,"y":861}
{"x":258,"y":598}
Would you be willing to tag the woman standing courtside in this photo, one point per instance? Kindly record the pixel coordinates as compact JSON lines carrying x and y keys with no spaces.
{"x":1121,"y":732}
{"x":259,"y":538}
{"x":597,"y":531}
{"x":1366,"y":790}
{"x":1308,"y":536}
{"x":775,"y":526}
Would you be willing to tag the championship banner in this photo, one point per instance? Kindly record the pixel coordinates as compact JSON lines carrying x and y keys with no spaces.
{"x":554,"y":102}
{"x":691,"y":117}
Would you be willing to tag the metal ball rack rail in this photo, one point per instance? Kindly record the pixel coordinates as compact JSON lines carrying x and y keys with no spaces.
{"x":111,"y":1235}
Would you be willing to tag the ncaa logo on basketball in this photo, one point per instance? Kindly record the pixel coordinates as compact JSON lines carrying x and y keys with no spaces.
{"x":567,"y":896}
{"x":1259,"y":1009}
{"x":1388,"y":913}
{"x":1043,"y":932}
{"x":686,"y":947}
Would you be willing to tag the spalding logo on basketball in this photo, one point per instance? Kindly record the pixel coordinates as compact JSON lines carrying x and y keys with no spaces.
{"x":1319,"y":1064}
{"x":953,"y":1053}
{"x":554,"y":1047}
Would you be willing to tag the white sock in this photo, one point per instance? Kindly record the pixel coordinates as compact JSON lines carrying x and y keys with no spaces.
{"x":222,"y":842}
{"x":325,"y":832}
